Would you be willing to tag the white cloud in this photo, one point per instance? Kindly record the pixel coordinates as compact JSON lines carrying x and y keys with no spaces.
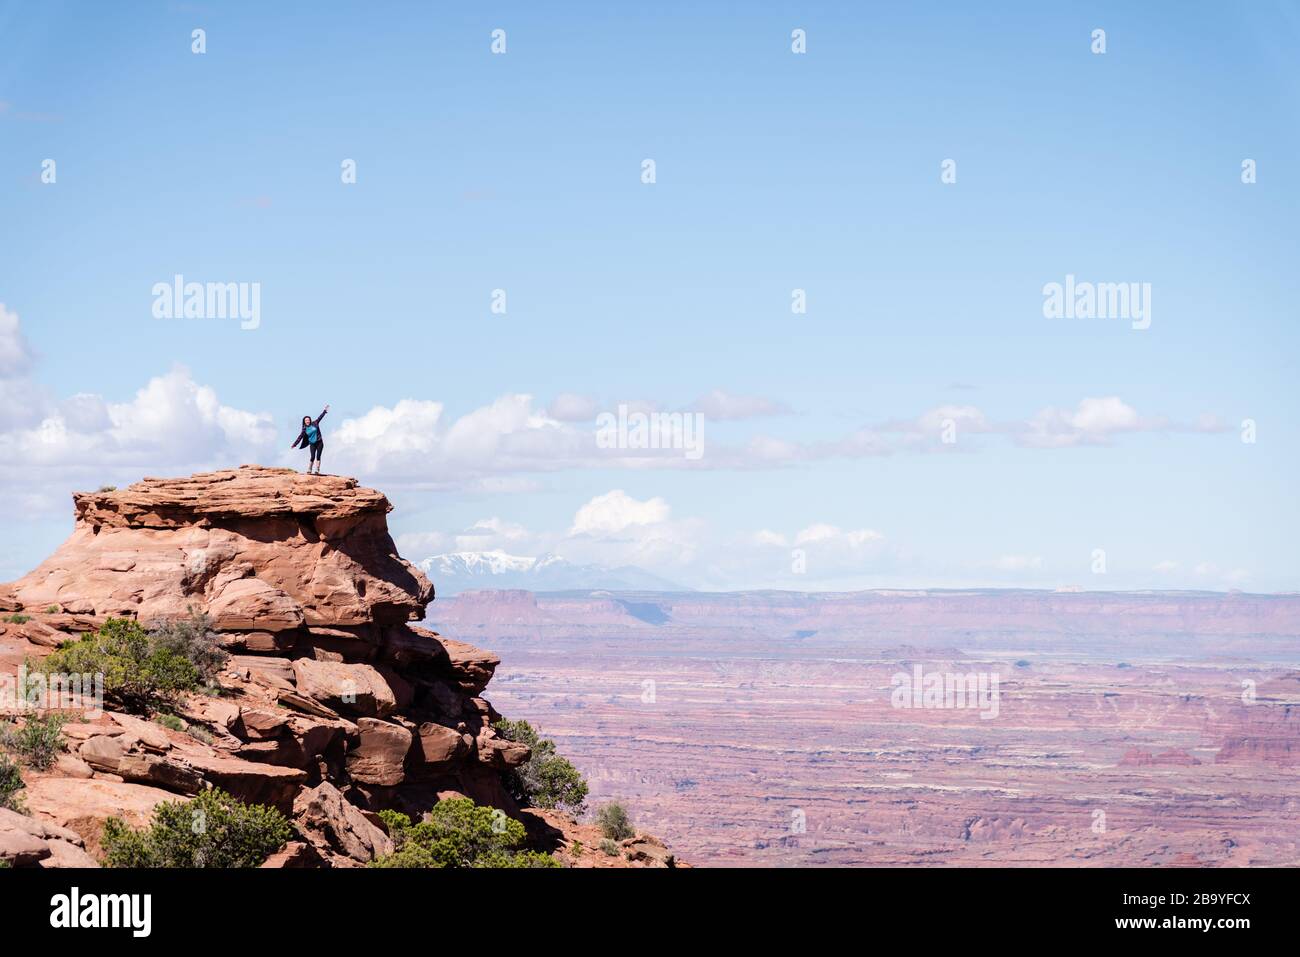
{"x":571,"y":407}
{"x":15,"y":354}
{"x":171,"y":422}
{"x":965,"y":418}
{"x":725,"y":406}
{"x":615,"y":511}
{"x":1093,"y":422}
{"x":493,"y":533}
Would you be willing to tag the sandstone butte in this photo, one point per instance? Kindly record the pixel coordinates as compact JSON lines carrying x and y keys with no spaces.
{"x":332,"y":706}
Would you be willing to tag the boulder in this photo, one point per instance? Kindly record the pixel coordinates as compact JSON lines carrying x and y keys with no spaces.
{"x":347,"y":688}
{"x":250,"y":781}
{"x":497,"y":752}
{"x":379,"y":756}
{"x":64,"y":854}
{"x":441,"y":746}
{"x":151,"y":736}
{"x":250,"y":604}
{"x":471,"y":667}
{"x":335,"y":827}
{"x":103,"y":752}
{"x":648,"y":851}
{"x":274,"y":674}
{"x":294,"y":854}
{"x":255,"y":724}
{"x":160,"y":772}
{"x":20,"y":849}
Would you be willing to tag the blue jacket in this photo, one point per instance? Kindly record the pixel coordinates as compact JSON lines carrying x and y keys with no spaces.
{"x":303,"y":438}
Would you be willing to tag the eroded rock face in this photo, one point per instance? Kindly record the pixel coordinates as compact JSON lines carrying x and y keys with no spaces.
{"x":259,"y":548}
{"x":332,"y":705}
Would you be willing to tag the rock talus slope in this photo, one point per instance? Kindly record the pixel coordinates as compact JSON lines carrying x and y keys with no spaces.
{"x":332,"y":706}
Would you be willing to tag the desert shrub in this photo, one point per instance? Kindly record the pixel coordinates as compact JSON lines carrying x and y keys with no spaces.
{"x":613,"y":821}
{"x":108,"y":488}
{"x":212,"y":830}
{"x":546,"y":779}
{"x":38,"y":741}
{"x":609,"y":847}
{"x":194,"y":639}
{"x":17,"y":619}
{"x":576,"y":848}
{"x":202,"y":735}
{"x":459,"y":833}
{"x":52,"y":610}
{"x":140,"y":675}
{"x":11,"y":782}
{"x":169,"y":721}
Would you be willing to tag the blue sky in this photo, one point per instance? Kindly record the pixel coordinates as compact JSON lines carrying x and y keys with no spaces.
{"x":774,"y":172}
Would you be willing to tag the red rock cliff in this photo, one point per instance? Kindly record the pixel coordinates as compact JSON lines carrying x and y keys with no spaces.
{"x":333,"y":704}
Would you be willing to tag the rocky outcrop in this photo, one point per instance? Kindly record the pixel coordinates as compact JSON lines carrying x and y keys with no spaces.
{"x":25,"y":841}
{"x":332,"y":706}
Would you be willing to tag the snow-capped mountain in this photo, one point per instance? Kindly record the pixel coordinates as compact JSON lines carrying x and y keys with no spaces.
{"x":461,"y":571}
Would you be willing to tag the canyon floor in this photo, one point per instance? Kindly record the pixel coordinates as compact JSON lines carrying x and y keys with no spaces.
{"x":762,"y":746}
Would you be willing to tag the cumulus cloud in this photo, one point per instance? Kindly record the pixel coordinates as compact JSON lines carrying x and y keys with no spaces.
{"x":615,"y":511}
{"x":172,"y":421}
{"x":1092,"y":422}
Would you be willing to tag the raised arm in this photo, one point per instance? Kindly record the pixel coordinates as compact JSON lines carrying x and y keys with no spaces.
{"x":321,"y":416}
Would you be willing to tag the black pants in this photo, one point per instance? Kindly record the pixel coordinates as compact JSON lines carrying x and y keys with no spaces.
{"x":316,"y":449}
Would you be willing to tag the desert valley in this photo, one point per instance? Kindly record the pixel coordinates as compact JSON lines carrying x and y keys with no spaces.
{"x":760,"y":729}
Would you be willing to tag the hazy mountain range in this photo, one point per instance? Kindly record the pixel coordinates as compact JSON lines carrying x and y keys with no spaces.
{"x":464,"y":571}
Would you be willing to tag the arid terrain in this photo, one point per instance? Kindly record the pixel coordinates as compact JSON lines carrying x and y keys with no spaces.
{"x":761,"y":729}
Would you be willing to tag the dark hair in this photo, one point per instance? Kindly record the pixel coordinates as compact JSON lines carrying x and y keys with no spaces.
{"x":306,"y":419}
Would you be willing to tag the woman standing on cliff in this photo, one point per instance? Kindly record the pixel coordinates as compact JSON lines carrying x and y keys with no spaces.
{"x":311,"y":438}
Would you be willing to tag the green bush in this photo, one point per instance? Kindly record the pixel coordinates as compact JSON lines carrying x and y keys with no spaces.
{"x":609,"y":847}
{"x":459,"y":833}
{"x":140,"y":674}
{"x":108,"y":488}
{"x":38,"y":740}
{"x":52,"y":610}
{"x":212,"y":830}
{"x":614,"y":823}
{"x":169,"y":721}
{"x":18,"y":619}
{"x":11,"y":782}
{"x":192,"y":638}
{"x":545,"y":780}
